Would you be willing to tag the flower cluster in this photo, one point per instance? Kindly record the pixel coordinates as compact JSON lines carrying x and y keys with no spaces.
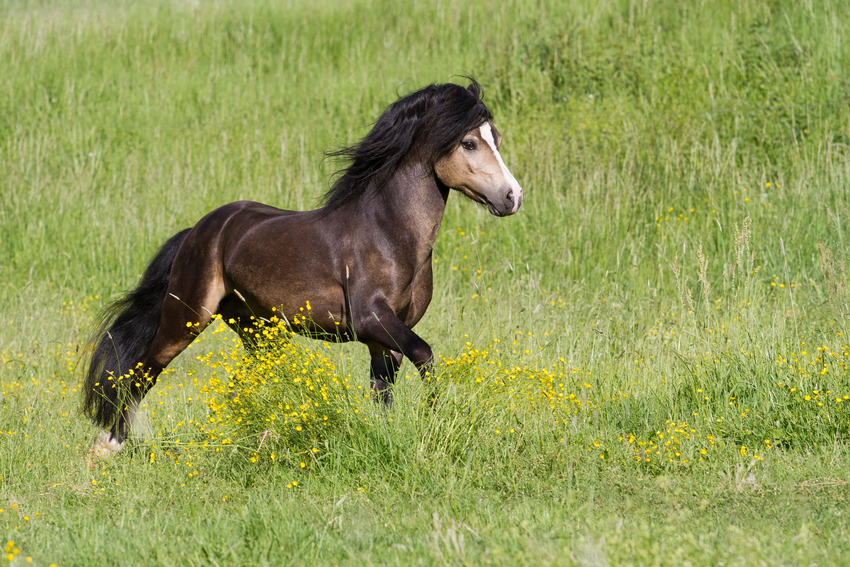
{"x":678,"y":443}
{"x":280,"y":394}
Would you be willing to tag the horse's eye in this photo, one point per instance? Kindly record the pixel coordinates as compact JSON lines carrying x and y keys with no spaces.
{"x":468,"y":145}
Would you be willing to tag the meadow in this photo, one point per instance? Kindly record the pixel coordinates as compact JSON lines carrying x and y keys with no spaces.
{"x":647,"y":365}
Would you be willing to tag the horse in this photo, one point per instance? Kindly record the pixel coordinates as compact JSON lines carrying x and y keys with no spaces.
{"x":362,"y":260}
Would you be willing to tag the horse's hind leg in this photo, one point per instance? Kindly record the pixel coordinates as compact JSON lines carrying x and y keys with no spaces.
{"x":382,"y":372}
{"x":183,"y":319}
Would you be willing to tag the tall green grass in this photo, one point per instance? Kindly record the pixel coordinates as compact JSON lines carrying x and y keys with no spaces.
{"x":682,"y":243}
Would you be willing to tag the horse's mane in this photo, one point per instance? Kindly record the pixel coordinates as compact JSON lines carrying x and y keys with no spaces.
{"x":435,"y":117}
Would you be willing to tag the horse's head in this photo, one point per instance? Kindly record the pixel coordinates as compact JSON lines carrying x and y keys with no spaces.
{"x":445,"y":127}
{"x":475,"y":168}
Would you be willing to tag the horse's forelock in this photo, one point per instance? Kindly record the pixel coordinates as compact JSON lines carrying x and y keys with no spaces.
{"x":461,"y":112}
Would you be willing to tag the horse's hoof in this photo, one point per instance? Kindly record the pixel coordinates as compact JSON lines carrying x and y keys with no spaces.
{"x":105,"y":447}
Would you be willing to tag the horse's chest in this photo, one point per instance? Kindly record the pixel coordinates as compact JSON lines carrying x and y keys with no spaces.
{"x":399,"y":276}
{"x":414,"y":300}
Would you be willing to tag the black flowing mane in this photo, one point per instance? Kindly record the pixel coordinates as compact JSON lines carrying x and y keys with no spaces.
{"x":435,"y":117}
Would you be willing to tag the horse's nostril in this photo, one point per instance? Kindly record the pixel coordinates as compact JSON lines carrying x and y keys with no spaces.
{"x":510,"y":196}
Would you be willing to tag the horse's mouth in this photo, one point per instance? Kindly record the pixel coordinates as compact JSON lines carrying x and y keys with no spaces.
{"x":482,"y":199}
{"x":495,"y":211}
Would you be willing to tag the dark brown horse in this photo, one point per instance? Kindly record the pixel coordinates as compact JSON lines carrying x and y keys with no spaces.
{"x":363,"y":261}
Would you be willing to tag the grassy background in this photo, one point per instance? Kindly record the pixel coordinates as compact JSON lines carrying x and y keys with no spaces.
{"x":679,"y":258}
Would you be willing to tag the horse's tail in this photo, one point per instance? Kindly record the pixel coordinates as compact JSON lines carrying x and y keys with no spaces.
{"x":125,"y":332}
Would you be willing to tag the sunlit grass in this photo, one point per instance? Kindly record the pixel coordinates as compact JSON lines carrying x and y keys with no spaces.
{"x":646,"y":365}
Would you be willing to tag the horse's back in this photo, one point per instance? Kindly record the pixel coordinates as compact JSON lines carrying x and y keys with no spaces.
{"x":252,"y":209}
{"x":228,"y":224}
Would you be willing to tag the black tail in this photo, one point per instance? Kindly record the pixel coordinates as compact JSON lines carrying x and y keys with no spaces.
{"x":125,"y":332}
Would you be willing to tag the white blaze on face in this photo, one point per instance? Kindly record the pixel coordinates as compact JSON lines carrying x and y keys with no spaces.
{"x":487,"y":135}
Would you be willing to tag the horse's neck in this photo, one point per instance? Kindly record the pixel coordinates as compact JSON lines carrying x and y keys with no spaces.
{"x":418,"y":201}
{"x":409,"y":209}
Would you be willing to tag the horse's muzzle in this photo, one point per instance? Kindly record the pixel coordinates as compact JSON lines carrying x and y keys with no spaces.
{"x":508,"y":205}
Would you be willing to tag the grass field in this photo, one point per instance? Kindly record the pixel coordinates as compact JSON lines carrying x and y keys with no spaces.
{"x":647,"y":365}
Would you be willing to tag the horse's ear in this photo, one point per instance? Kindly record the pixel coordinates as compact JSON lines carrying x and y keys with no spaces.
{"x":471,"y":88}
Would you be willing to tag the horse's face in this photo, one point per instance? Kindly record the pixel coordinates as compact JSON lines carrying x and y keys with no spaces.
{"x":475,"y":168}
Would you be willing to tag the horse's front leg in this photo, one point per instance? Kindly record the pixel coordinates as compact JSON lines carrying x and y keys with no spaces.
{"x":382,"y":372}
{"x":382,"y":328}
